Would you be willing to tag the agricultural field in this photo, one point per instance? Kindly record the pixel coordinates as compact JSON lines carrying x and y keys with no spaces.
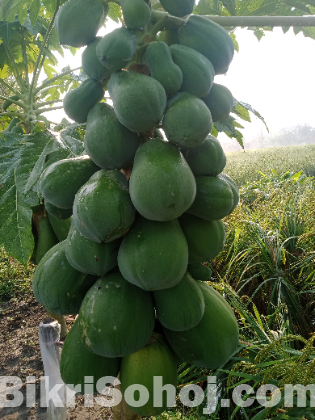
{"x":244,"y":166}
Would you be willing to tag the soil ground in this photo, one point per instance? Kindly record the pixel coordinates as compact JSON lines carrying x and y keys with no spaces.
{"x":20,"y":356}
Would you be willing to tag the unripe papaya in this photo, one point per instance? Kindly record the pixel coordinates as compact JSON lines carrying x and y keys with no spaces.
{"x":163,"y":68}
{"x":169,"y":36}
{"x":139,"y":100}
{"x":17,"y":129}
{"x":61,"y":180}
{"x":57,"y":212}
{"x":79,"y":101}
{"x":109,"y":143}
{"x":102,"y":209}
{"x":178,"y":8}
{"x":7,"y":102}
{"x":46,"y":239}
{"x":206,"y":160}
{"x":198,"y":72}
{"x":77,"y":24}
{"x":60,"y":227}
{"x":116,"y":49}
{"x":217,"y":197}
{"x":91,"y":65}
{"x":13,"y":123}
{"x":199,"y":271}
{"x":136,"y":13}
{"x":219,"y":101}
{"x":162,"y":186}
{"x":210,"y":39}
{"x":187,"y":120}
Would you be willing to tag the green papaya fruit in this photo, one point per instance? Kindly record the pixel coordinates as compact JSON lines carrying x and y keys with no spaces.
{"x":214,"y":340}
{"x":199,"y":271}
{"x":77,"y":362}
{"x":210,"y":39}
{"x":180,"y":307}
{"x":139,"y":100}
{"x":216,"y":197}
{"x":79,"y":101}
{"x":219,"y":101}
{"x":162,"y":186}
{"x":116,"y":318}
{"x":57,"y":212}
{"x":187,"y":120}
{"x":46,"y":239}
{"x":198,"y":72}
{"x":169,"y":36}
{"x":178,"y":8}
{"x":205,"y":238}
{"x":17,"y":129}
{"x":206,"y":160}
{"x":77,"y":24}
{"x":61,"y":180}
{"x":13,"y":123}
{"x":136,"y":13}
{"x":57,"y":285}
{"x":7,"y":102}
{"x":91,"y":65}
{"x":158,"y":134}
{"x":148,"y":260}
{"x":102,"y":209}
{"x":163,"y":68}
{"x":109,"y":143}
{"x":60,"y":227}
{"x":156,"y":359}
{"x":89,"y":256}
{"x":116,"y":48}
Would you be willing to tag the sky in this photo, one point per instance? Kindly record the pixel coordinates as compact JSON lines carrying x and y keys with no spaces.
{"x":275,"y":75}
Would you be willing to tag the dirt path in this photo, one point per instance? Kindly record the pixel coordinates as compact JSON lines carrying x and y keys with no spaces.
{"x":20,"y":356}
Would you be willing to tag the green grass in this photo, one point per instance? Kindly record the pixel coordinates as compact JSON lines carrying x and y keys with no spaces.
{"x":243,"y":166}
{"x":15,"y":279}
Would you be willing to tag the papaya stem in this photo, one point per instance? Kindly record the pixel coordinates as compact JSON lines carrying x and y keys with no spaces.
{"x":13,"y":114}
{"x":27,"y":82}
{"x":62,"y":322}
{"x":39,"y":105}
{"x":18,"y":76}
{"x":49,"y":81}
{"x":170,"y":22}
{"x":42,"y":49}
{"x":7,"y":86}
{"x":40,"y":111}
{"x":20,"y":104}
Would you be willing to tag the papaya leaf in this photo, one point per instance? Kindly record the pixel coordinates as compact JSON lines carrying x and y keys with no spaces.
{"x":114,"y":12}
{"x":256,"y":113}
{"x":241,"y":111}
{"x":72,"y":139}
{"x":34,"y":11}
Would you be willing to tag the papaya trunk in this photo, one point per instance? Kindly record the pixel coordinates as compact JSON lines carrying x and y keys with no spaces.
{"x":62,"y":322}
{"x":122,"y":412}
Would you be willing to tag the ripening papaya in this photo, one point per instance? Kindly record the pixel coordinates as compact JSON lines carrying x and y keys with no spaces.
{"x":178,"y":8}
{"x":187,"y":120}
{"x":136,"y":13}
{"x":102,"y":209}
{"x":139,"y":100}
{"x":91,"y":65}
{"x":205,"y":238}
{"x":148,"y":260}
{"x":61,"y":180}
{"x":108,"y":143}
{"x":206,"y":160}
{"x":210,"y":39}
{"x":116,"y":48}
{"x":77,"y":24}
{"x":219,"y":101}
{"x":162,"y":186}
{"x":198,"y":72}
{"x":216,"y":197}
{"x":163,"y":68}
{"x":79,"y":101}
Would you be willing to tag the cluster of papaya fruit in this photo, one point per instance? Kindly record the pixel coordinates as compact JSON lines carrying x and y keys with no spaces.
{"x":147,"y":199}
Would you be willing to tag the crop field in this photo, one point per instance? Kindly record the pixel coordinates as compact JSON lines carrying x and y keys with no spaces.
{"x":244,"y":166}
